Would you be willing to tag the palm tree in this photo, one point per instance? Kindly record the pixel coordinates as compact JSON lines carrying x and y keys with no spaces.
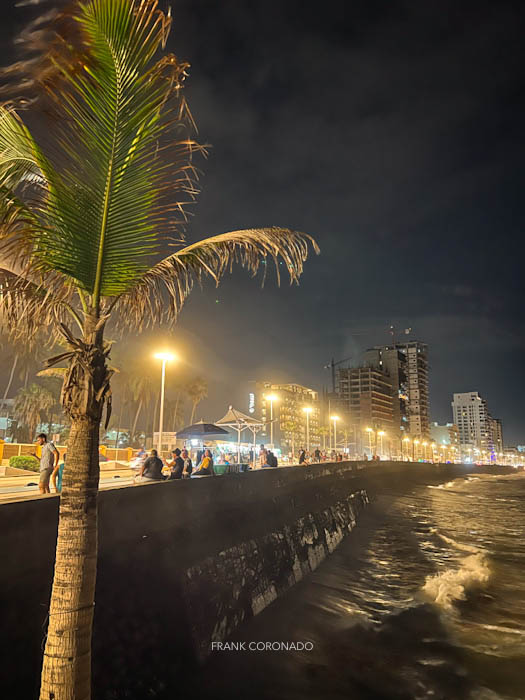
{"x":90,"y":209}
{"x":143,"y":390}
{"x":324,"y":431}
{"x":30,"y":406}
{"x":197,"y":391}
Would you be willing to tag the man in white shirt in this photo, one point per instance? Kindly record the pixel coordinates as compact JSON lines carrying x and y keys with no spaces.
{"x":49,"y":457}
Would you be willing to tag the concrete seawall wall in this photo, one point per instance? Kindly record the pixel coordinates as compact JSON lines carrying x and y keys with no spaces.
{"x":181,"y":564}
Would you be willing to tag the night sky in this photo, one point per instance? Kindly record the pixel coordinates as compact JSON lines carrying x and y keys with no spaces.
{"x":394,"y":133}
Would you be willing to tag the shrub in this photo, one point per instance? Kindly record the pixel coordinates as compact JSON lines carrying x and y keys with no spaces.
{"x":25,"y":462}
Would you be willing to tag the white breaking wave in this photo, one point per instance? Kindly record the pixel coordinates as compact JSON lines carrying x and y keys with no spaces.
{"x":449,"y":586}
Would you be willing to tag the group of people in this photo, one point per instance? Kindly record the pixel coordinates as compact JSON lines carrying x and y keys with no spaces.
{"x":317,"y":456}
{"x":267,"y":458}
{"x":180,"y":466}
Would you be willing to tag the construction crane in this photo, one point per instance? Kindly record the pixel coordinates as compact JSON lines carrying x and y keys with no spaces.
{"x":332,"y":365}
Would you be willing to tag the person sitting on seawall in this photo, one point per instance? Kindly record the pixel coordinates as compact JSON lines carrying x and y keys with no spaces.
{"x":151,"y":470}
{"x":302,"y":456}
{"x":188,"y":465}
{"x":205,"y":468}
{"x":58,"y":473}
{"x":271,"y":460}
{"x":176,"y":465}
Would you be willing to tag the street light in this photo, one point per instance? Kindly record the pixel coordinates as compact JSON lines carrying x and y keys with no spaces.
{"x":308,"y":410}
{"x":165,"y":357}
{"x":406,"y":441}
{"x":271,"y":398}
{"x":416,"y":442}
{"x":381,"y":433}
{"x":433,"y":447}
{"x":425,"y":451}
{"x":369,"y":431}
{"x":335,"y":419}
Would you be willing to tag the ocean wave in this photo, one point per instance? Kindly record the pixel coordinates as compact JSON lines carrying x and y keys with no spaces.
{"x":450,"y":585}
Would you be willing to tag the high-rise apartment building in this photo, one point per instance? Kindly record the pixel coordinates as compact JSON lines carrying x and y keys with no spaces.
{"x":496,"y":435}
{"x":447,"y":434}
{"x":472,"y":417}
{"x":364,"y":398}
{"x":285,"y":402}
{"x":407,"y":365}
{"x":394,"y":363}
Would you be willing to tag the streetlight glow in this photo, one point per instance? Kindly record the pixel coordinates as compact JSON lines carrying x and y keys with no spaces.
{"x":165,"y":357}
{"x":307,"y":410}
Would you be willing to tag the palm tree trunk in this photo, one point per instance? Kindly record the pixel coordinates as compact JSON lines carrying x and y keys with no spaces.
{"x":193,"y":411}
{"x":10,"y":381}
{"x":66,"y":668}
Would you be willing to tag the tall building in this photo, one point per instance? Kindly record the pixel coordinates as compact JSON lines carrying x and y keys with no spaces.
{"x":496,"y":435}
{"x":407,"y":365}
{"x":289,"y":418}
{"x":394,"y":363}
{"x":472,"y":417}
{"x":364,"y":397}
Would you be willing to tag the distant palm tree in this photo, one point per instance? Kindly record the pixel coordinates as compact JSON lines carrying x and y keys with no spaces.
{"x":31,"y":405}
{"x":324,"y":431}
{"x":143,"y":389}
{"x":91,"y":210}
{"x":197,"y":391}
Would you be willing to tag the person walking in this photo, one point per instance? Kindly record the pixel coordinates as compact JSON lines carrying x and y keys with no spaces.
{"x":49,"y":457}
{"x":151,"y":470}
{"x":302,"y":456}
{"x":317,"y":455}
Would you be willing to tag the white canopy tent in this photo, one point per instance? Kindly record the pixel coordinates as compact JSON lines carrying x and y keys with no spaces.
{"x":240,"y":422}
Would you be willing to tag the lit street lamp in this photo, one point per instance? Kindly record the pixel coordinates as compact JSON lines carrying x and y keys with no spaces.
{"x":308,"y":410}
{"x":406,"y":441}
{"x":335,"y":419}
{"x":416,"y":442}
{"x":271,"y":398}
{"x":165,"y":357}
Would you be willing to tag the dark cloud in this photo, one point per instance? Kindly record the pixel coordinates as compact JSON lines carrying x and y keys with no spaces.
{"x":392,"y":131}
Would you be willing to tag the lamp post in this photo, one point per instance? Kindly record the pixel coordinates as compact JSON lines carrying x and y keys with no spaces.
{"x":416,"y":442}
{"x":369,"y":431}
{"x":406,"y":442}
{"x":165,"y":357}
{"x":433,"y":447}
{"x":271,"y":398}
{"x":335,"y":419}
{"x":308,"y":410}
{"x":381,"y":434}
{"x":425,"y":451}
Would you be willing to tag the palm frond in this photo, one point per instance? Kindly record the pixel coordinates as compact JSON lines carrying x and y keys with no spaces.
{"x":117,"y":169}
{"x":146,"y":304}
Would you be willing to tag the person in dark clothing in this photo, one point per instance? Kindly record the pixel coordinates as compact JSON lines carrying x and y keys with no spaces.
{"x":302,"y":456}
{"x":188,"y":466}
{"x":317,"y":455}
{"x":176,"y":465}
{"x":271,"y":459}
{"x":151,"y":470}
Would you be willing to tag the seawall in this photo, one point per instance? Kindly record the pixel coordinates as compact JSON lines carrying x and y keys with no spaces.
{"x":181,"y":564}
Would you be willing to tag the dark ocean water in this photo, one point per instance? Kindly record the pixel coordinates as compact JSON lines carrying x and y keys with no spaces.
{"x":424,"y":599}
